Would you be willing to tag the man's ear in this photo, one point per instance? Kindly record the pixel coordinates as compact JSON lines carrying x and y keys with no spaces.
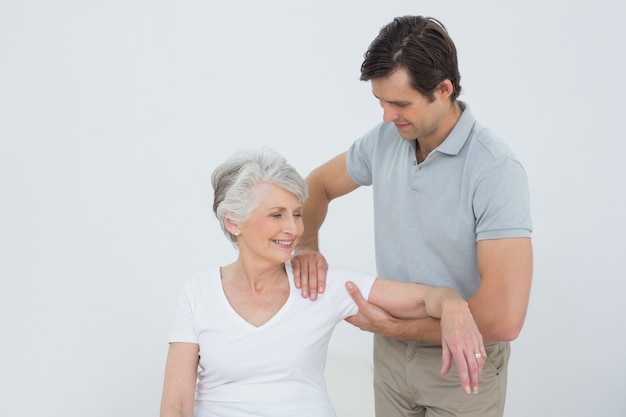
{"x":445,"y":89}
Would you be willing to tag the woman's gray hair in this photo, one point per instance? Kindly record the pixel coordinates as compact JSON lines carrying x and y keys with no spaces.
{"x":234,"y":180}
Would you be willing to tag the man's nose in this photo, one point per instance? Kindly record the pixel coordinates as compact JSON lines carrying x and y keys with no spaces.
{"x":389,"y":114}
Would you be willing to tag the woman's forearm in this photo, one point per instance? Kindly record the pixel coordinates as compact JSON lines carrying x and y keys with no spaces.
{"x":407,"y":311}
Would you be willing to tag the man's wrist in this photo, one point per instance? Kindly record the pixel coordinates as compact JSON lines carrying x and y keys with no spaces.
{"x":304,"y":251}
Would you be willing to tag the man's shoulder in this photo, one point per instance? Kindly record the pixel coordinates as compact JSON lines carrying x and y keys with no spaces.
{"x":485,"y":142}
{"x":382,"y":137}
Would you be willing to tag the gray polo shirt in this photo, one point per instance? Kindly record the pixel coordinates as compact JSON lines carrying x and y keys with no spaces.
{"x":429,"y":216}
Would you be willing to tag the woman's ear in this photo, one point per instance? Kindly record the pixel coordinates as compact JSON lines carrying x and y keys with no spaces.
{"x":232,"y":227}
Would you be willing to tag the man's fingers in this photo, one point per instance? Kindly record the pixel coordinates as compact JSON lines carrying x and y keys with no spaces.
{"x":312,"y":279}
{"x":322,"y":269}
{"x":295,"y":266}
{"x":355,"y":293}
{"x":309,"y":273}
{"x":304,"y":280}
{"x":352,"y":320}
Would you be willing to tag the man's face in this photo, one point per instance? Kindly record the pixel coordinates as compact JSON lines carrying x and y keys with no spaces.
{"x":411,"y":112}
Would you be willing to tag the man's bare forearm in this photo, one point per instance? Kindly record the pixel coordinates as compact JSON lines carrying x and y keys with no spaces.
{"x":426,"y":329}
{"x":325,"y":183}
{"x":314,"y":213}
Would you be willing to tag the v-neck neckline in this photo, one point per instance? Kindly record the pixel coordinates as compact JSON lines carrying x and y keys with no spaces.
{"x":245,"y":323}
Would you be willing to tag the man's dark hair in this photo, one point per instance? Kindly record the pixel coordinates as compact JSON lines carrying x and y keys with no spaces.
{"x":419,"y":44}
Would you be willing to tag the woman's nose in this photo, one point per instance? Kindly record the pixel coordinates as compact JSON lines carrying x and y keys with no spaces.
{"x":293,"y":224}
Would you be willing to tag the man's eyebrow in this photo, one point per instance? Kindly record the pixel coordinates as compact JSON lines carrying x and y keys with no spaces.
{"x":397,"y":103}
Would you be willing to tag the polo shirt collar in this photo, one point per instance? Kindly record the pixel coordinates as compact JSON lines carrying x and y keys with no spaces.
{"x":458,"y":136}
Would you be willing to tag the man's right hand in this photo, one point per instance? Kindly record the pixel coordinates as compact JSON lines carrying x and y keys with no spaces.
{"x":309,"y":273}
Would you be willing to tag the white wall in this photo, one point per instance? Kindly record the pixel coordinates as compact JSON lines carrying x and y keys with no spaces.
{"x":114,"y":113}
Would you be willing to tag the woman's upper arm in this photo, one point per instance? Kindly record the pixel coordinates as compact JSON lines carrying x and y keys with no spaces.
{"x":400,"y":299}
{"x":181,"y":371}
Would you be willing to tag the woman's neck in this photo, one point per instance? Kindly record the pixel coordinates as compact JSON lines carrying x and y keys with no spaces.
{"x":255,"y":275}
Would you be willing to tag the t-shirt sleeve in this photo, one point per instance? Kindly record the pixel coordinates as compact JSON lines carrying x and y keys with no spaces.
{"x":340,"y":298}
{"x":502,"y":201}
{"x":359,"y":158}
{"x":183,"y":327}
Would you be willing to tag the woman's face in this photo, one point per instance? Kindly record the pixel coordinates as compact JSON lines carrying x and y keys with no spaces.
{"x":273,"y":228}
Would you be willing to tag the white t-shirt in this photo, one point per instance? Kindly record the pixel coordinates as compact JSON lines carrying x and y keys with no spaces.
{"x":273,"y":370}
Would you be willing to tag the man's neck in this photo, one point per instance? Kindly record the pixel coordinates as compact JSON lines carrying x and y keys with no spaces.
{"x":425,"y":146}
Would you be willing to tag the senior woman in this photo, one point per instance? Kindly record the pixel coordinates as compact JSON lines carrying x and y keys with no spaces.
{"x":246,"y":343}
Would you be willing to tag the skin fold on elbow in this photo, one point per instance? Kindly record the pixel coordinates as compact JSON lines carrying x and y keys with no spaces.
{"x":502,"y":329}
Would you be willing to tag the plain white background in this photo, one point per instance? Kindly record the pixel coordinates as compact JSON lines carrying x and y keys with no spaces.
{"x":114,"y":113}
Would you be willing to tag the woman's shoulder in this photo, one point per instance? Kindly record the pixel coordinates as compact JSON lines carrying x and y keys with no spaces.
{"x":337,"y":277}
{"x":203,"y":279}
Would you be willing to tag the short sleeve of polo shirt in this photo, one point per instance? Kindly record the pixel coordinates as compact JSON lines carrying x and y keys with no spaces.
{"x":359,"y":158}
{"x":501,"y":201}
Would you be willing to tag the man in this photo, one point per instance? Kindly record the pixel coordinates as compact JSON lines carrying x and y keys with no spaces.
{"x":451,"y":207}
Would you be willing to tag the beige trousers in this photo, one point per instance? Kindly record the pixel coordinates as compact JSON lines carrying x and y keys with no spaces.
{"x":408,"y":382}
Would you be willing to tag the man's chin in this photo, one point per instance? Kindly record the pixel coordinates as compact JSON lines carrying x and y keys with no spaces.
{"x":406,"y":136}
